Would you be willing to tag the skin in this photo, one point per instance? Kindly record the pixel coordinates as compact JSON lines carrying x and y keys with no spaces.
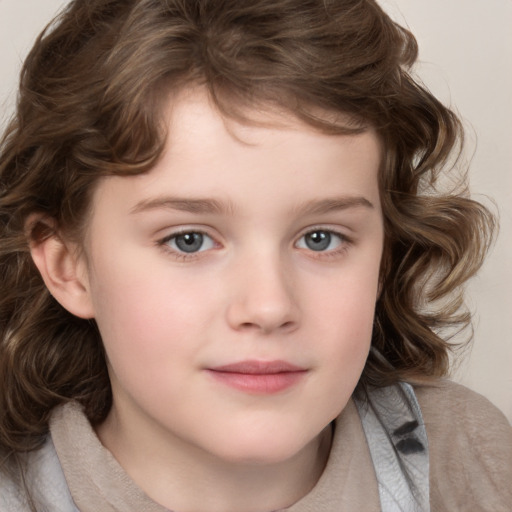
{"x":262,"y":197}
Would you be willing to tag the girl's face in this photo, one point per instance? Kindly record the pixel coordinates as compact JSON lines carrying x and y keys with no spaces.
{"x":234,"y":285}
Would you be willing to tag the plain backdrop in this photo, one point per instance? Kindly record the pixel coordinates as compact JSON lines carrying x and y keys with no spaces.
{"x":466,"y":60}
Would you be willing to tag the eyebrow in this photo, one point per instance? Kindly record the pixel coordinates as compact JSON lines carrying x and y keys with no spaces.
{"x":208,"y":206}
{"x":199,"y":205}
{"x":323,"y":206}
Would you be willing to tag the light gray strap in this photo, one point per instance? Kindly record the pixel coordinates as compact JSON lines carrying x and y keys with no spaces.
{"x":397,"y":439}
{"x":45,"y":481}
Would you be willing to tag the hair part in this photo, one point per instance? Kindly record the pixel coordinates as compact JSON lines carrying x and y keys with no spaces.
{"x":90,"y":105}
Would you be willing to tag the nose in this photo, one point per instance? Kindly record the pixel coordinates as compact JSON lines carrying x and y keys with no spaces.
{"x":263,"y":297}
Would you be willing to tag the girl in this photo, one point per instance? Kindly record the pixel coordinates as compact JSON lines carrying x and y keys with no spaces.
{"x":229,"y":279}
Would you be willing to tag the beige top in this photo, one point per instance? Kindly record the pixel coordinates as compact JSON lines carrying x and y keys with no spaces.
{"x":470,"y":445}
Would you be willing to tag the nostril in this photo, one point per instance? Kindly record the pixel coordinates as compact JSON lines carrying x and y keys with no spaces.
{"x":267,"y":328}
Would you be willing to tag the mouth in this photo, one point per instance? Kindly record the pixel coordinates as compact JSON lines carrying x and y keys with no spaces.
{"x":258,"y":377}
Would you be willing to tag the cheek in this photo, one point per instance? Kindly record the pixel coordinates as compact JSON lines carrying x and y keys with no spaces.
{"x":345,"y":314}
{"x":347,"y":300}
{"x":144,"y":311}
{"x":343,"y":330}
{"x":148,"y":336}
{"x":349,"y":338}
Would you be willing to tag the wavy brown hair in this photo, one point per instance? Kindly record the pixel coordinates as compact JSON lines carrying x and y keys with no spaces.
{"x":90,"y":104}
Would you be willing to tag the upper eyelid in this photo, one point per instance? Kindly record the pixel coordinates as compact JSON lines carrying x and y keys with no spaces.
{"x":163,"y":243}
{"x":330,"y":231}
{"x":345,"y":240}
{"x":337,"y":231}
{"x":215,"y":237}
{"x":345,"y":243}
{"x":177,"y":231}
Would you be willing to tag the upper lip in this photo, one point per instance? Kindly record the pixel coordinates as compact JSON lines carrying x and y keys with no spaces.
{"x":254,"y":367}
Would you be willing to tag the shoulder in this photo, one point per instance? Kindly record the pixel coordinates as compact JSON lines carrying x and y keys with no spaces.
{"x":439,"y":395}
{"x":468,"y":414}
{"x":42,"y":478}
{"x":470,"y":445}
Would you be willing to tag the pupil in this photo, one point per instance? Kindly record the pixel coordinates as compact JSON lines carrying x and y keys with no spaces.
{"x":318,"y":240}
{"x":189,"y":242}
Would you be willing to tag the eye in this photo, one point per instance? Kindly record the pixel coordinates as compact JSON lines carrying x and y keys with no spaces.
{"x":320,"y":240}
{"x":189,"y":242}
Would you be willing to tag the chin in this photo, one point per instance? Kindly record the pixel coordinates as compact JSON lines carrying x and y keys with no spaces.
{"x":267,"y":448}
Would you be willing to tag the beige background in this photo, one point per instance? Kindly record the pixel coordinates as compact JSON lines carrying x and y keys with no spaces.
{"x":466,"y":59}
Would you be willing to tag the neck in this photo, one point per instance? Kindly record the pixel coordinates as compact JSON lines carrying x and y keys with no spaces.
{"x":185,"y":478}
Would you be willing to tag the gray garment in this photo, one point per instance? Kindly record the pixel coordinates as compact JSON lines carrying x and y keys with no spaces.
{"x":397,"y":439}
{"x":46,"y":482}
{"x":393,"y":428}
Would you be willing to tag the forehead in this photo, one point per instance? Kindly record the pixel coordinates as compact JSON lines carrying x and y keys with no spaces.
{"x":193,"y":122}
{"x":273,"y":155}
{"x":192,"y":107}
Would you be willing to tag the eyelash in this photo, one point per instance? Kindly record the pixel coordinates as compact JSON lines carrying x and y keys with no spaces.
{"x":345,"y":243}
{"x":182,"y":255}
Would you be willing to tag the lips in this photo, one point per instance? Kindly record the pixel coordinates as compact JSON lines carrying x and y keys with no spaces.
{"x":259,"y":377}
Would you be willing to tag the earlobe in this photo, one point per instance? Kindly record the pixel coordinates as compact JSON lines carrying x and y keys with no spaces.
{"x":61,"y":268}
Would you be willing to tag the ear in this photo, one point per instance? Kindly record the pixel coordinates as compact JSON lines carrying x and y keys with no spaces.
{"x":63,"y":270}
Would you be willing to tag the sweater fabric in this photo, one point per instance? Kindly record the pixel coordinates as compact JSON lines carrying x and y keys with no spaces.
{"x":469,"y":445}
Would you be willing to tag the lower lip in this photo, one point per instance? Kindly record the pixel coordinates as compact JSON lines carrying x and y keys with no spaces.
{"x":264,"y":384}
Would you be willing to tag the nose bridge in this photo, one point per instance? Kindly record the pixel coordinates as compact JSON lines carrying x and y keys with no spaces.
{"x":263,"y":295}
